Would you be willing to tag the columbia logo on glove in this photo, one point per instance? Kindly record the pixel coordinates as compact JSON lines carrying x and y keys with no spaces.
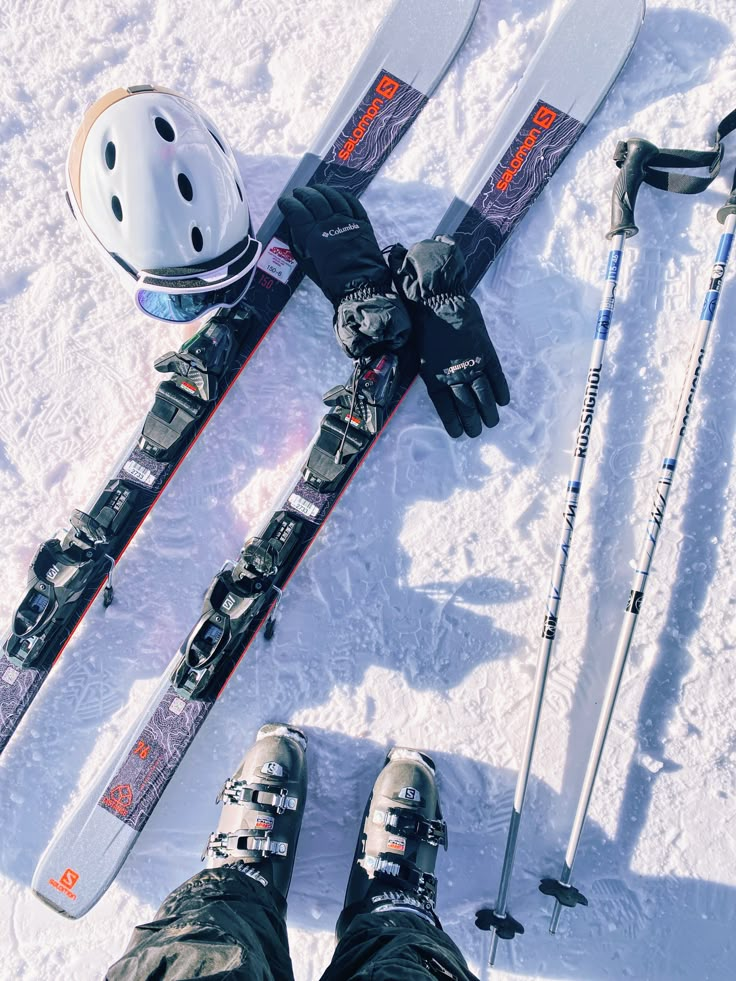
{"x":463,"y":364}
{"x":339,"y":231}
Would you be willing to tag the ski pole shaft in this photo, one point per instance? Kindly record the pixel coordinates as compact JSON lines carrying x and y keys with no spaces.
{"x":562,"y":552}
{"x":632,"y":158}
{"x":648,"y":547}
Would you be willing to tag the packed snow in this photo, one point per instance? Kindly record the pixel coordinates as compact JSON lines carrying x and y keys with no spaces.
{"x":415,"y":619}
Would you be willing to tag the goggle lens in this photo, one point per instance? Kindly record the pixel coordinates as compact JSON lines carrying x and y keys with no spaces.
{"x":185,"y":307}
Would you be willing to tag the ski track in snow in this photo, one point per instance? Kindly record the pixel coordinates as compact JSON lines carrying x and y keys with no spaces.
{"x":415,"y":618}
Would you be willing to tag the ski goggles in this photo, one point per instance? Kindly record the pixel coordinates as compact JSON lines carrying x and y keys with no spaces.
{"x":187,"y":294}
{"x":190,"y":292}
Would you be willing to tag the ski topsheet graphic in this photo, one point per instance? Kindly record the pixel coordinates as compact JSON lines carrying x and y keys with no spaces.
{"x":540,"y":145}
{"x":406,"y":60}
{"x":561,"y":90}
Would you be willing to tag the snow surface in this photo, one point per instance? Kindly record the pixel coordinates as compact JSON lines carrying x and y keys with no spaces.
{"x":415,"y":619}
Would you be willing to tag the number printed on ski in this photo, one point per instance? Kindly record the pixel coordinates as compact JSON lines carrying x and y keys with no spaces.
{"x":541,"y":123}
{"x":407,"y":58}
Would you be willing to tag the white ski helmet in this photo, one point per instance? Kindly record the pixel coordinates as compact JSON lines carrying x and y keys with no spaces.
{"x":158,"y":188}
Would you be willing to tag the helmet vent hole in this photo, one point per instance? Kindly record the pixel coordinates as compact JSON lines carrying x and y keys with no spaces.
{"x":165,"y":129}
{"x":218,"y":141}
{"x":240,"y":193}
{"x":117,"y":208}
{"x":110,"y":155}
{"x":197,"y":240}
{"x":185,"y":187}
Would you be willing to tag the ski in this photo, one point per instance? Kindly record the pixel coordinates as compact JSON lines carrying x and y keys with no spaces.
{"x":406,"y":60}
{"x":541,"y":123}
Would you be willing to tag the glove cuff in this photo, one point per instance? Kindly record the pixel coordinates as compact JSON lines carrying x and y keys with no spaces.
{"x":369,"y":319}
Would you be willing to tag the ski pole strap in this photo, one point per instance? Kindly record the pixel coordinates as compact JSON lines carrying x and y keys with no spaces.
{"x":641,"y":162}
{"x":637,"y":160}
{"x":684,"y":183}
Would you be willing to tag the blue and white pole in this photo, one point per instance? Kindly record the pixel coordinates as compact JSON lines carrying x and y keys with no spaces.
{"x":633,"y":158}
{"x":567,"y":895}
{"x":554,"y":597}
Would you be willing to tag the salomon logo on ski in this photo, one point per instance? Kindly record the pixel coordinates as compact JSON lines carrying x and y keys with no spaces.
{"x":66,"y":884}
{"x":543,"y":119}
{"x":386,"y":88}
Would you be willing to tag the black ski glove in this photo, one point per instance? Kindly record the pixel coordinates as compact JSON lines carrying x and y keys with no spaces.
{"x":331,"y":236}
{"x":459,"y":364}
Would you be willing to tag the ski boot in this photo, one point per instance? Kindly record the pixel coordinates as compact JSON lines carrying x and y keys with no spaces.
{"x":263,"y":807}
{"x":393,"y":867}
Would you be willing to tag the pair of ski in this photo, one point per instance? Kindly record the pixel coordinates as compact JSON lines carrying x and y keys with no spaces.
{"x":559,"y":93}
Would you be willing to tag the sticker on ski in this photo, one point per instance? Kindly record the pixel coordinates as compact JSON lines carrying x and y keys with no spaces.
{"x":385,"y":113}
{"x":546,"y":137}
{"x":139,"y":781}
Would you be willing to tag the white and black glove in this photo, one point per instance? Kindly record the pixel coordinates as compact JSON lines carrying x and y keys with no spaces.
{"x":459,"y":364}
{"x":332,"y":237}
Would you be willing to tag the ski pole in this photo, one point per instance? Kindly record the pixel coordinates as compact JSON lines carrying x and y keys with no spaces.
{"x":565,"y":894}
{"x":633,"y":157}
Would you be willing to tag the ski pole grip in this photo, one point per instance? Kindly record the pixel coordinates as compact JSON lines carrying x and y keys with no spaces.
{"x":633,"y":157}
